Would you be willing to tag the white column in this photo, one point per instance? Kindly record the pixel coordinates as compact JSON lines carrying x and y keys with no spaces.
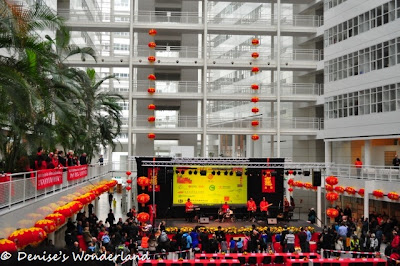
{"x":369,"y":187}
{"x":278,"y":82}
{"x":328,"y":156}
{"x":367,"y":152}
{"x":319,"y":206}
{"x":249,"y":146}
{"x":233,"y":146}
{"x":204,"y":80}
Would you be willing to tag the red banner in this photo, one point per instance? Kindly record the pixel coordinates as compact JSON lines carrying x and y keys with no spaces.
{"x":153,"y":180}
{"x":49,"y":177}
{"x":77,"y":172}
{"x":268,"y":181}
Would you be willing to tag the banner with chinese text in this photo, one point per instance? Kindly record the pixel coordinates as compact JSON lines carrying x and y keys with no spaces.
{"x":153,"y":179}
{"x":268,"y":181}
{"x":49,"y":177}
{"x":77,"y":172}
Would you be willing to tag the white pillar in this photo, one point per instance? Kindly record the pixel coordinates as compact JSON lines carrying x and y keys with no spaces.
{"x":367,"y":152}
{"x":278,"y":80}
{"x":369,"y":186}
{"x":328,"y":156}
{"x":319,"y":206}
{"x":233,"y":146}
{"x":51,"y":237}
{"x":249,"y":146}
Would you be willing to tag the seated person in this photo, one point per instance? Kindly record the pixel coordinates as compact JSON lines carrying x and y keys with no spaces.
{"x":228,"y":215}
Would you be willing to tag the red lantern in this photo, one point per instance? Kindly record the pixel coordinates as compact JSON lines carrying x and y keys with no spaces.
{"x":332,"y":180}
{"x":378,"y":193}
{"x":151,"y":59}
{"x":143,"y":181}
{"x":38,"y":235}
{"x":129,"y":181}
{"x":128,"y":188}
{"x":339,"y":189}
{"x":21,"y":237}
{"x":255,"y":55}
{"x":151,"y":119}
{"x":58,"y":218}
{"x":255,"y":42}
{"x":151,"y":135}
{"x":7,"y":245}
{"x":152,"y":32}
{"x":143,"y":217}
{"x":291,"y":182}
{"x":255,"y":109}
{"x":332,"y":213}
{"x":361,"y":192}
{"x":255,"y":99}
{"x":332,"y":196}
{"x":143,"y":198}
{"x":255,"y":137}
{"x":308,"y":185}
{"x":350,"y":190}
{"x":393,"y":195}
{"x":128,"y":173}
{"x":298,"y":184}
{"x":290,"y":190}
{"x":48,"y":226}
{"x":151,"y":90}
{"x":152,"y":45}
{"x":254,"y":86}
{"x":151,"y":77}
{"x":328,"y":187}
{"x":255,"y":69}
{"x":255,"y":123}
{"x":151,"y":107}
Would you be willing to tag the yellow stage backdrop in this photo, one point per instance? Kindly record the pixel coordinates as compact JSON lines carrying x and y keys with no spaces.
{"x":214,"y":188}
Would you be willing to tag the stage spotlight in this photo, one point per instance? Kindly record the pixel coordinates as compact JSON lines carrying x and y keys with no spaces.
{"x":190,"y":172}
{"x":239,"y":173}
{"x":287,"y":173}
{"x":182,"y":172}
{"x":195,"y":172}
{"x":226,"y":172}
{"x":219,"y":172}
{"x":306,"y":173}
{"x":203,"y":172}
{"x":231,"y":173}
{"x":177,"y":172}
{"x":294,"y":172}
{"x":299,"y":173}
{"x":213,"y":172}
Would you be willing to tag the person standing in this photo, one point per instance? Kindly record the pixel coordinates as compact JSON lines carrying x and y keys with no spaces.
{"x":264,"y":208}
{"x":83,"y":159}
{"x":396,"y":162}
{"x":290,"y":241}
{"x":110,"y":198}
{"x":358,"y":165}
{"x":189,"y":210}
{"x":251,"y":209}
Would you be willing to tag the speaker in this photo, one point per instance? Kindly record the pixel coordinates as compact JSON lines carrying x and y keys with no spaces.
{"x":316,"y":178}
{"x":272,"y":221}
{"x":203,"y":172}
{"x":204,"y":220}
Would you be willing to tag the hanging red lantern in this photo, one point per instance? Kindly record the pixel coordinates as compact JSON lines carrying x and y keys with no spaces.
{"x":21,"y":237}
{"x":255,"y":42}
{"x":255,"y":55}
{"x":38,"y":235}
{"x":151,"y":119}
{"x":128,"y":173}
{"x":308,"y":185}
{"x":143,"y":217}
{"x":255,"y":123}
{"x":7,"y":245}
{"x":255,"y":109}
{"x":128,"y":188}
{"x":58,"y":218}
{"x":151,"y":90}
{"x":290,"y":190}
{"x":332,"y":180}
{"x":393,"y":195}
{"x":255,"y":99}
{"x":332,"y":196}
{"x":255,"y":69}
{"x":151,"y":77}
{"x":152,"y":32}
{"x":143,"y":181}
{"x":151,"y":107}
{"x":328,"y":187}
{"x":350,"y":190}
{"x":339,"y":189}
{"x":378,"y":193}
{"x":255,"y":137}
{"x":254,"y":86}
{"x":152,"y":45}
{"x":151,"y":59}
{"x":298,"y":184}
{"x":129,"y":181}
{"x":48,"y":226}
{"x":151,"y":135}
{"x":361,"y":192}
{"x":143,"y":199}
{"x":332,"y":212}
{"x":291,"y":182}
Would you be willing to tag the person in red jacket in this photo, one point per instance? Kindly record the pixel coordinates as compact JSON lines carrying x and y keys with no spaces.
{"x":358,"y":165}
{"x":251,"y":208}
{"x":40,"y":162}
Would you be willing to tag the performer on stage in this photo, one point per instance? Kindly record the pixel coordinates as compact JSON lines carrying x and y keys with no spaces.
{"x":286,"y":207}
{"x":251,"y":209}
{"x":264,"y":208}
{"x":223,"y":211}
{"x":189,"y":209}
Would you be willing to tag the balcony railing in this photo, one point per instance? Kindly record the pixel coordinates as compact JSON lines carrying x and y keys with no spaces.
{"x":291,"y":55}
{"x":168,"y":122}
{"x":169,"y":51}
{"x":96,"y":16}
{"x":368,"y":172}
{"x":168,"y":87}
{"x":169,"y":17}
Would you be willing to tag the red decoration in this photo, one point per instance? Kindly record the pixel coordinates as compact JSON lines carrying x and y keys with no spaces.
{"x":151,"y":90}
{"x":21,"y":237}
{"x":143,"y":217}
{"x":393,"y":195}
{"x":152,"y":45}
{"x":58,"y":218}
{"x":255,"y":55}
{"x":151,"y":107}
{"x":339,"y":189}
{"x":308,"y":185}
{"x":328,"y":187}
{"x":151,"y":119}
{"x":151,"y":59}
{"x":38,"y":235}
{"x":361,"y":192}
{"x":143,"y":181}
{"x":298,"y":184}
{"x":255,"y":137}
{"x":332,"y":196}
{"x":143,"y":199}
{"x":151,"y":77}
{"x":332,"y":213}
{"x":268,"y":182}
{"x":255,"y":42}
{"x":291,"y":182}
{"x":151,"y":135}
{"x":254,"y":86}
{"x":129,"y":181}
{"x":255,"y":109}
{"x":7,"y":245}
{"x":378,"y":193}
{"x":350,"y":190}
{"x":290,"y":189}
{"x":128,"y":188}
{"x":48,"y":226}
{"x":255,"y":123}
{"x":128,"y":173}
{"x":152,"y":32}
{"x":255,"y":69}
{"x":332,"y":180}
{"x":255,"y":99}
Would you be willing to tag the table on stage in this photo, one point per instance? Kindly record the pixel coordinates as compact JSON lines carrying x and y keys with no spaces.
{"x":195,"y":262}
{"x":259,"y":257}
{"x":337,"y":262}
